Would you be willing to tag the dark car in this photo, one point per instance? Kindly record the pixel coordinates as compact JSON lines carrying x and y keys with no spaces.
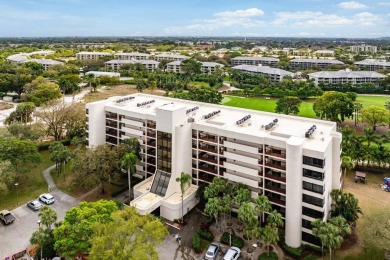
{"x":34,"y":205}
{"x":212,"y":252}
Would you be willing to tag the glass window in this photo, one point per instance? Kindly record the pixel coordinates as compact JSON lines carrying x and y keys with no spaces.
{"x":314,"y":161}
{"x":313,"y":200}
{"x":313,"y":187}
{"x":313,"y":174}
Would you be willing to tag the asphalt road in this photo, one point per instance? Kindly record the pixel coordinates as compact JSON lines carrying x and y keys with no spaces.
{"x":15,"y":237}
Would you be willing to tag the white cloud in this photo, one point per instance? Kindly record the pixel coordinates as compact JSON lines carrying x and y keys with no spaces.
{"x":352,"y":5}
{"x":309,"y":19}
{"x":247,"y":18}
{"x":367,"y":19}
{"x":384,"y":3}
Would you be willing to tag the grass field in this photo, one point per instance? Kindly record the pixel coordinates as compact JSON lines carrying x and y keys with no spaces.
{"x":306,"y":109}
{"x":30,"y":184}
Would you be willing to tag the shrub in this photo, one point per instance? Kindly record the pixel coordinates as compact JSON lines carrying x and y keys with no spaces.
{"x":315,"y":249}
{"x":196,"y":243}
{"x":207,"y":235}
{"x":45,"y":146}
{"x":268,"y":256}
{"x":292,"y":251}
{"x":236,"y":240}
{"x":310,"y":257}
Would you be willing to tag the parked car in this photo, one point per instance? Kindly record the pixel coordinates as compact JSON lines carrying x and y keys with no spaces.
{"x":6,"y":217}
{"x":34,"y":205}
{"x":46,"y":198}
{"x":212,"y":252}
{"x":232,"y":254}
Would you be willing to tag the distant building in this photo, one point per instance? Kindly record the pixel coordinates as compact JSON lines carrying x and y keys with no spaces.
{"x":206,"y":67}
{"x":266,"y":61}
{"x":346,"y":76}
{"x":131,"y":56}
{"x":86,"y":55}
{"x":103,"y":73}
{"x":364,"y":48}
{"x":304,"y":64}
{"x":25,"y":57}
{"x":161,"y":57}
{"x":372,"y":65}
{"x":46,"y":63}
{"x":301,"y":52}
{"x":114,"y":65}
{"x":325,"y":53}
{"x":272,"y":73}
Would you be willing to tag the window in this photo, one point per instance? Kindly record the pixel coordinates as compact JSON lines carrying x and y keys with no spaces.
{"x":313,"y":174}
{"x":313,"y":187}
{"x":306,"y":224}
{"x":310,"y":238}
{"x":313,"y":200}
{"x":312,"y":213}
{"x":313,"y":161}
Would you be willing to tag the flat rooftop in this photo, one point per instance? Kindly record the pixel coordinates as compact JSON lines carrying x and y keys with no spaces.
{"x":286,"y":127}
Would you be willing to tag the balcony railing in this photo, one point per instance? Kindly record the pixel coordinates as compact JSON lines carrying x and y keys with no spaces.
{"x":208,"y":159}
{"x":208,"y":169}
{"x":152,"y":143}
{"x":150,"y":125}
{"x":205,"y":178}
{"x":277,"y":166}
{"x":275,"y":177}
{"x":114,"y":117}
{"x":275,"y":188}
{"x":208,"y":149}
{"x":276,"y":154}
{"x":150,"y":134}
{"x":209,"y":138}
{"x":277,"y":201}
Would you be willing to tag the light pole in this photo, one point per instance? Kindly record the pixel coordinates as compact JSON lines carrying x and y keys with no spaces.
{"x":17,"y":193}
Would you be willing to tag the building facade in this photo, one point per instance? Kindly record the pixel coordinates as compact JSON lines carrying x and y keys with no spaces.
{"x":131,"y":56}
{"x":346,"y":77}
{"x":265,"y":61}
{"x":295,"y":167}
{"x":273,"y":74}
{"x":172,"y":57}
{"x":87,"y":55}
{"x":206,"y":67}
{"x":373,"y":65}
{"x":304,"y":64}
{"x":364,"y":48}
{"x":115,"y":65}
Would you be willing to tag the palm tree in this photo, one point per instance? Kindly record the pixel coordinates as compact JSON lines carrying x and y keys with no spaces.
{"x":184,"y":179}
{"x":129,"y":160}
{"x":247,"y":215}
{"x":369,"y":136}
{"x":262,"y":204}
{"x":269,"y":235}
{"x":213,"y":208}
{"x":48,"y":216}
{"x":275,"y":219}
{"x":89,"y":78}
{"x":347,"y":164}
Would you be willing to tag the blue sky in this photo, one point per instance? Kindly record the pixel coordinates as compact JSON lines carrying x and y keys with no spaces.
{"x":289,"y":18}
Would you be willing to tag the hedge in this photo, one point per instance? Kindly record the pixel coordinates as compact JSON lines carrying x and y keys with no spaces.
{"x":45,"y":146}
{"x":292,"y":251}
{"x":196,"y":243}
{"x":206,"y":235}
{"x":236,"y":240}
{"x":268,"y":256}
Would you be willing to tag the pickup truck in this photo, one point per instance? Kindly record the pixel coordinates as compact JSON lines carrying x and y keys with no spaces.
{"x":6,"y":217}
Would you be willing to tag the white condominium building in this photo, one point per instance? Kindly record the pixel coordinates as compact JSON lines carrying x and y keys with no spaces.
{"x":161,"y":57}
{"x":294,"y":161}
{"x":373,"y":65}
{"x":324,"y":53}
{"x":46,"y":63}
{"x":115,"y":65}
{"x":266,"y":61}
{"x":347,"y":76}
{"x":364,"y":48}
{"x":272,"y":73}
{"x":304,"y":64}
{"x":26,"y":57}
{"x":87,"y":55}
{"x":206,"y":67}
{"x":131,"y":56}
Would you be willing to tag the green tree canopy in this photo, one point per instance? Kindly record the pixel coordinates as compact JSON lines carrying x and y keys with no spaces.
{"x":334,"y":106}
{"x":288,"y":105}
{"x":128,"y":236}
{"x":18,"y":151}
{"x":73,"y":234}
{"x":345,"y":205}
{"x":375,"y":116}
{"x":7,"y":176}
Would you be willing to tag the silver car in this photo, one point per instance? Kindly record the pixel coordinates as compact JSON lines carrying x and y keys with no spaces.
{"x":212,"y":252}
{"x":232,"y":254}
{"x":34,"y":205}
{"x":46,"y":198}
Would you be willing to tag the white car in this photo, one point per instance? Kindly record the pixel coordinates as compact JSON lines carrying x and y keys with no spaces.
{"x":46,"y":198}
{"x":232,"y":254}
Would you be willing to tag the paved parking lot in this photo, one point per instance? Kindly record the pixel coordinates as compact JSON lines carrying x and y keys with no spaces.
{"x":15,"y":237}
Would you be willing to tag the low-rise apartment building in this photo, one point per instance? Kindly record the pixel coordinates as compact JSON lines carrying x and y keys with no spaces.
{"x":294,"y":161}
{"x":94,"y":55}
{"x":373,"y":65}
{"x":115,"y":65}
{"x":304,"y":64}
{"x":364,"y":48}
{"x":131,"y":56}
{"x":47,"y":63}
{"x":173,"y":57}
{"x":324,"y":53}
{"x":206,"y":67}
{"x":273,"y":74}
{"x":346,"y":76}
{"x":265,"y":61}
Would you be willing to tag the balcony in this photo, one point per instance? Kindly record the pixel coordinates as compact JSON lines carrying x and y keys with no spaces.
{"x":208,"y":158}
{"x":205,"y":177}
{"x":277,"y":201}
{"x":112,"y":132}
{"x":151,"y":160}
{"x":110,"y":123}
{"x":274,"y":176}
{"x":112,"y":116}
{"x":208,"y":138}
{"x":275,"y":188}
{"x":208,"y":148}
{"x":275,"y":152}
{"x":111,"y":140}
{"x":275,"y":164}
{"x":152,"y":143}
{"x":151,"y":134}
{"x":207,"y":168}
{"x":151,"y":125}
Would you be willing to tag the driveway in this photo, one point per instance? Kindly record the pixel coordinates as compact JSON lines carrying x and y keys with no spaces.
{"x":15,"y":237}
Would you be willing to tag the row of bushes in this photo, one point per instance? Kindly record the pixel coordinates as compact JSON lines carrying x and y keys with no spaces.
{"x":196,"y":243}
{"x":45,"y":146}
{"x":206,"y":235}
{"x":268,"y":256}
{"x":298,"y":251}
{"x":236,"y":240}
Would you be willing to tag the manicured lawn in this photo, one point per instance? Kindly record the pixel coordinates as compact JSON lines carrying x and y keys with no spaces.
{"x":373,"y":100}
{"x":268,"y":105}
{"x":31,"y":184}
